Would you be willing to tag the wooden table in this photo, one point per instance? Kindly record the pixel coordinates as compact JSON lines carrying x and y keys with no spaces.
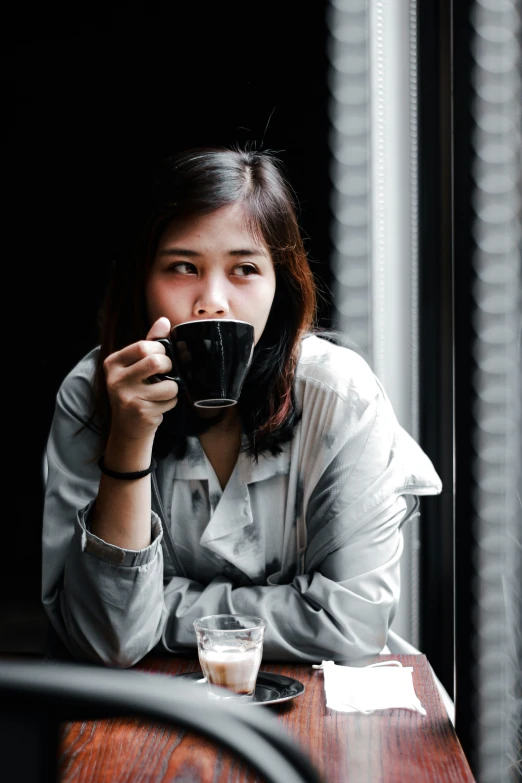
{"x":390,"y":746}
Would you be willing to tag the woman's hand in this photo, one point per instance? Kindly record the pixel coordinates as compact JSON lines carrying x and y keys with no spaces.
{"x":138,"y":403}
{"x":122,"y":512}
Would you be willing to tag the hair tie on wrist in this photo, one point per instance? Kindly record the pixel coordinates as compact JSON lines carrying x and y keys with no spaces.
{"x":137,"y":474}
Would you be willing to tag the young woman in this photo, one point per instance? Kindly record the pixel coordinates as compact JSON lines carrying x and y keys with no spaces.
{"x":288,"y":505}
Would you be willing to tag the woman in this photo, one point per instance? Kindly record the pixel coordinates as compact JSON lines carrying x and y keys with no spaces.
{"x":288,"y":505}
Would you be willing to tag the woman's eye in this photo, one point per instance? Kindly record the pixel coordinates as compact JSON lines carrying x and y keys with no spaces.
{"x":244,"y":270}
{"x":183,"y":268}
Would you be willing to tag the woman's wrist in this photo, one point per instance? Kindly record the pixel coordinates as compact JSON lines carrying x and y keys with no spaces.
{"x":132,"y":475}
{"x":125,"y":455}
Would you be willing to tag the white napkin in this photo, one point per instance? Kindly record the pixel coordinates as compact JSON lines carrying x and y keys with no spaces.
{"x":379,"y":686}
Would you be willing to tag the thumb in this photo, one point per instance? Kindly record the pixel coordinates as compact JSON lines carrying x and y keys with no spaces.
{"x":160,"y":328}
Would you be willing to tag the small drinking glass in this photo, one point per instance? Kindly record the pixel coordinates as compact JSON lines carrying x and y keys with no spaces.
{"x":230,"y":648}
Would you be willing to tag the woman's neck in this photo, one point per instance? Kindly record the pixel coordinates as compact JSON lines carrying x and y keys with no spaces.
{"x":226,"y":419}
{"x":222,"y":443}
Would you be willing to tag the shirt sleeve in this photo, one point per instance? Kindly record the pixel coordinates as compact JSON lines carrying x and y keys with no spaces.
{"x":94,"y":593}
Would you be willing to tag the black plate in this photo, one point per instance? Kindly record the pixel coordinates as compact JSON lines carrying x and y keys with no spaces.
{"x":270,"y":688}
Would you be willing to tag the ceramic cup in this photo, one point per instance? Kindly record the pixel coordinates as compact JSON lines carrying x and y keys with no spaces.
{"x":210,"y":359}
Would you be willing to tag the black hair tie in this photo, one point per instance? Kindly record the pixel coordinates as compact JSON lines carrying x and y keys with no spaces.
{"x":137,"y":474}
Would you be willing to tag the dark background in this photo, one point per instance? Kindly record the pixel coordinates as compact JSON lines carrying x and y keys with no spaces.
{"x":95,"y":99}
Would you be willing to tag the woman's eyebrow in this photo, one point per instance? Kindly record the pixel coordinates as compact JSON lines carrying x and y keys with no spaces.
{"x":186,"y":253}
{"x":179,"y":251}
{"x":247,"y":251}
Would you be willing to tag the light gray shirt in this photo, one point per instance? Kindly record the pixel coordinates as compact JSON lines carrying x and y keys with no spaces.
{"x":310,"y":539}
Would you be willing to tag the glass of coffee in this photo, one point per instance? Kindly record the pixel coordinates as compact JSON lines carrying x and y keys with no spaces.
{"x":230,"y":648}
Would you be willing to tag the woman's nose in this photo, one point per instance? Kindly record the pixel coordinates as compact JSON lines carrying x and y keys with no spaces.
{"x":211,"y":301}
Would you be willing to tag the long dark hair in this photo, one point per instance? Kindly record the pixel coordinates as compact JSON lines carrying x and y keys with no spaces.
{"x":193,"y":183}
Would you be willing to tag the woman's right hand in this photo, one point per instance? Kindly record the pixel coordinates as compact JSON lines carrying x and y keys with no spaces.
{"x":137,"y":402}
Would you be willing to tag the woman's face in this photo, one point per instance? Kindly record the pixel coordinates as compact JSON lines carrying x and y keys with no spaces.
{"x":211,"y":267}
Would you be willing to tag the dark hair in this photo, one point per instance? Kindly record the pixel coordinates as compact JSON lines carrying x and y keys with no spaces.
{"x":197,"y":182}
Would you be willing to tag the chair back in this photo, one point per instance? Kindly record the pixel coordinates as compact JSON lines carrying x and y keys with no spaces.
{"x":37,"y":696}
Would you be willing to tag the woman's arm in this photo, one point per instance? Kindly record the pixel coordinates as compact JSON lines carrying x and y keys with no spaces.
{"x":121,"y":514}
{"x":86,"y":512}
{"x":341,"y":611}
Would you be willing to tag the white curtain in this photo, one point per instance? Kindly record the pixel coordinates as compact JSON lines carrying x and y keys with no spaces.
{"x":497,"y":468}
{"x":373,"y":143}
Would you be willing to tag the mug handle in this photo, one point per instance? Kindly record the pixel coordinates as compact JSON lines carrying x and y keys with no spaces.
{"x":161,"y":376}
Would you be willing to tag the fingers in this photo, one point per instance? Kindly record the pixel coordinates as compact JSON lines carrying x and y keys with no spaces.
{"x":138,"y":405}
{"x":143,"y":358}
{"x":160,"y":328}
{"x":161,"y":391}
{"x":133,"y":353}
{"x":138,"y":400}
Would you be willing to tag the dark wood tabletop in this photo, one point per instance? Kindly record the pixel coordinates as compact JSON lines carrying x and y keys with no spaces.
{"x":388,"y":746}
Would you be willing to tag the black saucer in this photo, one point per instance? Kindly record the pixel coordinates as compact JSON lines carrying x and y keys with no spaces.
{"x":270,"y":688}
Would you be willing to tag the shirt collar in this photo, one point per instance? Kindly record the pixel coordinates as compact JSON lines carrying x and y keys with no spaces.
{"x":194,"y":464}
{"x":230,"y":532}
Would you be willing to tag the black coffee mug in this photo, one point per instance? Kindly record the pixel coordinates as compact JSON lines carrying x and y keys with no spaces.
{"x":210,"y":359}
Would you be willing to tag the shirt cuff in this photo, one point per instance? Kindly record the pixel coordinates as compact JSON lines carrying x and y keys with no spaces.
{"x":113,"y":554}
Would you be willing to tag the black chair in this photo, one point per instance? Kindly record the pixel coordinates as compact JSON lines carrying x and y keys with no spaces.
{"x":36,"y":696}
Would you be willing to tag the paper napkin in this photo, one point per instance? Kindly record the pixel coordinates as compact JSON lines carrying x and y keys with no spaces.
{"x":379,"y":686}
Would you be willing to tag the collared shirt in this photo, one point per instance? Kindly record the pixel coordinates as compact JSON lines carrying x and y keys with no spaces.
{"x":309,"y":539}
